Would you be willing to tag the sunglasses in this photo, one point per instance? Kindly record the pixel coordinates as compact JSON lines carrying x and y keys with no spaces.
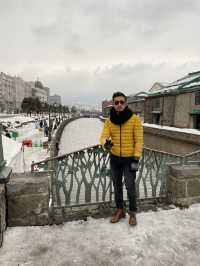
{"x":119,"y":102}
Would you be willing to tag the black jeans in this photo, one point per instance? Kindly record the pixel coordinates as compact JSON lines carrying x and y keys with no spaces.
{"x":120,"y":166}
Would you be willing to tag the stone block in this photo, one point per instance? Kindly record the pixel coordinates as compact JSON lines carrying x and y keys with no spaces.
{"x":183,"y":184}
{"x":184,"y":171}
{"x":57,"y":216}
{"x":186,"y":202}
{"x":193,"y":188}
{"x":24,"y":185}
{"x":176,"y":187}
{"x":28,"y":200}
{"x":2,"y":212}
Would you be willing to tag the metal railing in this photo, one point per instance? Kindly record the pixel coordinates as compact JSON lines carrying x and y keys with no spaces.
{"x":83,"y":177}
{"x":192,"y":157}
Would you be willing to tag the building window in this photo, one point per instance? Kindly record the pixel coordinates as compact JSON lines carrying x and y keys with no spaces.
{"x":196,"y":121}
{"x":197,"y":98}
{"x":156,"y":118}
{"x":156,"y":103}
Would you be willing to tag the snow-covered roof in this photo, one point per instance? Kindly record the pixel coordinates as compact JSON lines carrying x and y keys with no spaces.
{"x":189,"y":81}
{"x":137,"y":97}
{"x":185,"y":79}
{"x":183,"y":130}
{"x":193,"y":84}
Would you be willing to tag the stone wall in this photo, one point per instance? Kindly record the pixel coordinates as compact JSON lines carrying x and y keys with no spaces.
{"x":170,"y":141}
{"x":182,"y":110}
{"x":183,"y":184}
{"x":28,"y":197}
{"x":168,"y":110}
{"x":2,"y":212}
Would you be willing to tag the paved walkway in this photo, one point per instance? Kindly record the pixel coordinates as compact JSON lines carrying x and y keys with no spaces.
{"x":163,"y":238}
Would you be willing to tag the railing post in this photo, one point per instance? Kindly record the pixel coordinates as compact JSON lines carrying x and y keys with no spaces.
{"x":4,"y":170}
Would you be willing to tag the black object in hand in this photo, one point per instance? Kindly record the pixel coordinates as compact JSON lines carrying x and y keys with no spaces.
{"x":108,"y":145}
{"x":134,"y":165}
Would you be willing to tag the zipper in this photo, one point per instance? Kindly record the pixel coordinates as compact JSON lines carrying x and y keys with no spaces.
{"x":120,"y":141}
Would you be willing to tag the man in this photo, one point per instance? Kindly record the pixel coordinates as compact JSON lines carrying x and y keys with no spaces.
{"x":123,"y":136}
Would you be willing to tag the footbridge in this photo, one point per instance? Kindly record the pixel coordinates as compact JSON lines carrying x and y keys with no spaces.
{"x":78,"y":184}
{"x":81,"y":183}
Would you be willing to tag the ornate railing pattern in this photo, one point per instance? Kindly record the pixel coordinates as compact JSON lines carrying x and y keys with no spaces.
{"x":151,"y":177}
{"x":83,"y":177}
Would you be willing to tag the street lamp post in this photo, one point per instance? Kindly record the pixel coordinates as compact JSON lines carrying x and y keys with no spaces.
{"x":5,"y":171}
{"x":50,"y":125}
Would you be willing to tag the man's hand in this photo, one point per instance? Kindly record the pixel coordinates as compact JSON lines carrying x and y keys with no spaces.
{"x":136,"y":158}
{"x":108,"y":145}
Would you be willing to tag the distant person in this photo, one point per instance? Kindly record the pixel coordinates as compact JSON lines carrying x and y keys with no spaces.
{"x":37,"y":125}
{"x":44,"y":123}
{"x":8,"y":134}
{"x":122,"y":135}
{"x":41,"y":124}
{"x":46,"y":131}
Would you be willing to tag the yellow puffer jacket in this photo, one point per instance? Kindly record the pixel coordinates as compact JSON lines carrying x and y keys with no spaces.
{"x":127,"y":138}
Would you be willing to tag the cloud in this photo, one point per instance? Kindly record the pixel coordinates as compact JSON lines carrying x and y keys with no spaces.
{"x":93,"y":86}
{"x":86,"y":49}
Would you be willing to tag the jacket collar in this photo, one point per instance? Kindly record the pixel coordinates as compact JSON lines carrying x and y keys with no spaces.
{"x":120,"y":118}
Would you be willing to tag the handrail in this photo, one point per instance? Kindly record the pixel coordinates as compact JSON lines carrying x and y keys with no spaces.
{"x":191,"y":153}
{"x":183,"y":156}
{"x":164,"y":152}
{"x":65,"y":155}
{"x":98,"y":146}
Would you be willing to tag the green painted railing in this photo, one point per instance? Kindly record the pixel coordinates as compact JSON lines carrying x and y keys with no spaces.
{"x":83,"y":177}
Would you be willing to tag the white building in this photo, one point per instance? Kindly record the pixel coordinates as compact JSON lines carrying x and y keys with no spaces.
{"x":41,"y":92}
{"x":7,"y":93}
{"x":23,"y":90}
{"x":14,"y":89}
{"x":55,"y":100}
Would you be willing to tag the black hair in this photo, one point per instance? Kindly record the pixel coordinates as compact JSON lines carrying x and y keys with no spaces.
{"x":117,"y":94}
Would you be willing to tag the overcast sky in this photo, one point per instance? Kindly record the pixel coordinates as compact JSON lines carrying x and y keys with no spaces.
{"x":85,"y":50}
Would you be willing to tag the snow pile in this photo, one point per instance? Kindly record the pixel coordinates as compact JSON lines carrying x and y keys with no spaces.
{"x":10,"y":148}
{"x":21,"y":159}
{"x":162,"y":238}
{"x":13,"y":121}
{"x":177,"y":129}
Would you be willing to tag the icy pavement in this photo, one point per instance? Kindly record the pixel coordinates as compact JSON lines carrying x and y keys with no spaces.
{"x":161,"y":238}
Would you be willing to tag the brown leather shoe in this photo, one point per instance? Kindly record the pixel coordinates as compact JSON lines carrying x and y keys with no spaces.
{"x":118,"y":215}
{"x":132,"y":218}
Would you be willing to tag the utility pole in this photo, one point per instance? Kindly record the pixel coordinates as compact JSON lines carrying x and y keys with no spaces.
{"x":50,"y":125}
{"x":163,"y":101}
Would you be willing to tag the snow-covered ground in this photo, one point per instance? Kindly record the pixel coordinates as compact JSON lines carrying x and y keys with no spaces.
{"x":78,"y":134}
{"x":163,"y":238}
{"x":16,"y":156}
{"x":15,"y":120}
